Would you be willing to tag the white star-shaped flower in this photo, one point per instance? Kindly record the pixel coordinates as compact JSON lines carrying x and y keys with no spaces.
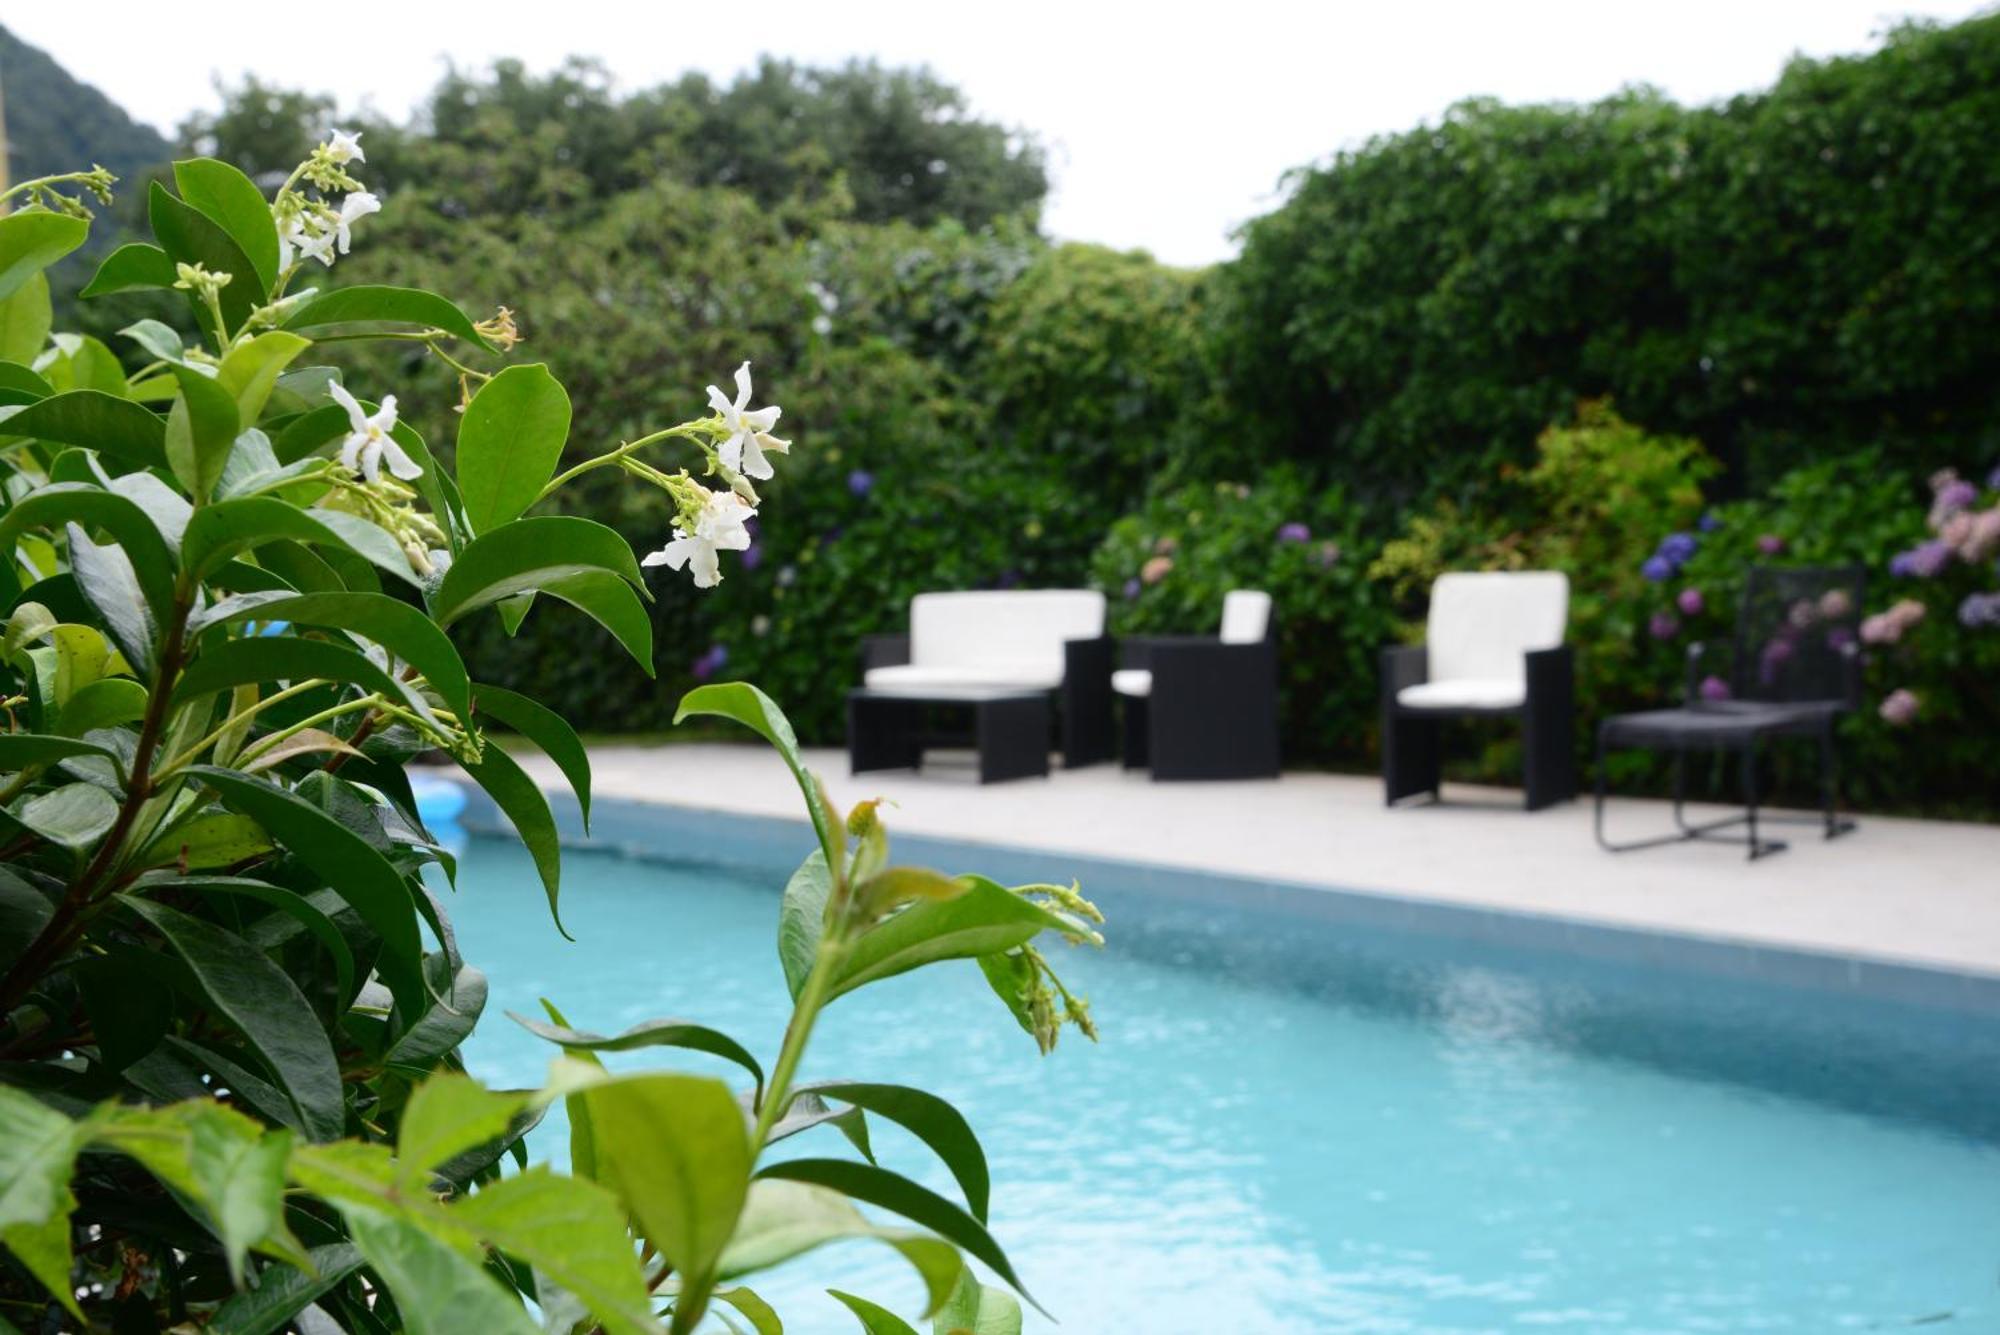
{"x":749,"y":429}
{"x":353,"y":208}
{"x":344,"y":146}
{"x":368,"y":441}
{"x":720,"y":528}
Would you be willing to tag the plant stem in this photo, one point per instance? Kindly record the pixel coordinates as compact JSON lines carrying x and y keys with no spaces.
{"x":186,"y":757}
{"x":686,"y":430}
{"x":812,"y":996}
{"x":272,"y":739}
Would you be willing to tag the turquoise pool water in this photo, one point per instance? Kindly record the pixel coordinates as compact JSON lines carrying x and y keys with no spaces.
{"x":1289,"y":1128}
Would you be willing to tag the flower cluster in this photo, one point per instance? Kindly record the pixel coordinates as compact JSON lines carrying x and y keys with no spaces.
{"x":1675,"y":550}
{"x":1890,"y":626}
{"x":1899,"y":708}
{"x":738,"y":443}
{"x":1960,"y":530}
{"x":1980,"y":611}
{"x":313,"y":227}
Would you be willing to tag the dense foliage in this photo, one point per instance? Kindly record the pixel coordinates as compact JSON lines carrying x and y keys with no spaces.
{"x":231,"y":999}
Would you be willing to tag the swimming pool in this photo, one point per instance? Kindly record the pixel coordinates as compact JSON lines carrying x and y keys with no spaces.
{"x":1312,"y":1112}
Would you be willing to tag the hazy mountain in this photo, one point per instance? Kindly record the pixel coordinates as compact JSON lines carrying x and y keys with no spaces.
{"x":55,"y":123}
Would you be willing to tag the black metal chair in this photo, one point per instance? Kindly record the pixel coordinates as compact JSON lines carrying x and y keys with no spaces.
{"x":1201,"y":706}
{"x":1794,"y":670}
{"x":1493,"y":647}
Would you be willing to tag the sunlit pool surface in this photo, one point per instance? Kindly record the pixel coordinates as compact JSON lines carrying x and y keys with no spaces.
{"x":1293,"y":1128}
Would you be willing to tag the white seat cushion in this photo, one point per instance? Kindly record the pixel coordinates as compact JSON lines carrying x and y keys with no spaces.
{"x":1132,"y":681}
{"x":1466,"y":693}
{"x":1482,"y":624}
{"x":1246,"y":616}
{"x":997,"y":677}
{"x":1002,"y":635}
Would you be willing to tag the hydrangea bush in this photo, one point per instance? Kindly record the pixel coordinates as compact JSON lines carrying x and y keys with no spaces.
{"x":231,"y":1095}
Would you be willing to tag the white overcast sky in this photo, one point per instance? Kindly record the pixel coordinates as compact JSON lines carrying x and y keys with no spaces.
{"x":1167,"y":124}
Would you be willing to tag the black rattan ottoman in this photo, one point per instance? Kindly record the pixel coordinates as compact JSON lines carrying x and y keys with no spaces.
{"x":891,"y":729}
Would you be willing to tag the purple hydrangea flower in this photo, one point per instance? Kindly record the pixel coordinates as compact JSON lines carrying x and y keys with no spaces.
{"x":1840,"y":639}
{"x":1709,"y":521}
{"x":1979,"y":610}
{"x":1922,"y":561}
{"x":1657,"y":569}
{"x":1993,"y":479}
{"x":1714,"y":688}
{"x":1771,"y":662}
{"x":1132,"y":587}
{"x":1295,"y":532}
{"x":1679,"y":547}
{"x":1770,"y":544}
{"x":1690,"y":602}
{"x":710,"y":662}
{"x":1664,"y":626}
{"x":861,"y":482}
{"x":753,"y":556}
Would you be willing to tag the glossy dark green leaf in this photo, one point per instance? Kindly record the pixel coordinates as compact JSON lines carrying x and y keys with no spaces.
{"x":118,"y":428}
{"x":293,"y":905}
{"x":448,"y":1022}
{"x":226,"y":664}
{"x":136,"y":264}
{"x":201,"y":427}
{"x":930,"y":1119}
{"x":667,"y":1033}
{"x":369,"y":304}
{"x":232,"y":202}
{"x":114,"y":587}
{"x":24,"y":750}
{"x":128,"y":1008}
{"x":547,"y":730}
{"x":396,"y":626}
{"x":24,"y":912}
{"x":520,"y":799}
{"x":880,"y":1187}
{"x":189,"y":236}
{"x":22,"y":385}
{"x":350,"y":864}
{"x":33,"y":240}
{"x":510,"y":439}
{"x":874,"y":1319}
{"x":282,"y":1291}
{"x":75,"y":815}
{"x":225,"y":529}
{"x":260,"y":1001}
{"x":741,"y":701}
{"x":529,"y":554}
{"x":987,"y":919}
{"x":609,"y":601}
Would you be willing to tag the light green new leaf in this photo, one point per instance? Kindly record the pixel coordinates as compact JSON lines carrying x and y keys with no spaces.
{"x":762,"y":1316}
{"x":213,"y":839}
{"x":573,"y":1231}
{"x":30,"y":242}
{"x":741,"y":701}
{"x":875,"y":1319}
{"x":802,"y":919}
{"x":675,"y":1149}
{"x":891,"y":1191}
{"x":510,"y":439}
{"x":201,"y":426}
{"x":133,"y":265}
{"x":530,"y":554}
{"x":262,"y":1003}
{"x":232,"y":202}
{"x":191,"y":237}
{"x":37,"y":1149}
{"x":25,"y":318}
{"x":239,"y":1176}
{"x":369,"y":304}
{"x":546,"y":729}
{"x":448,"y":1114}
{"x":783,"y":1219}
{"x":251,"y":369}
{"x":665,"y":1033}
{"x":987,"y":919}
{"x":438,"y":1289}
{"x":977,"y":1309}
{"x":103,"y":704}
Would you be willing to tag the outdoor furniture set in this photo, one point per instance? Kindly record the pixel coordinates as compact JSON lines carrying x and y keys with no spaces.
{"x":1007,"y":671}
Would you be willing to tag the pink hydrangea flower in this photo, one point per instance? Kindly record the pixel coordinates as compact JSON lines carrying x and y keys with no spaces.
{"x":1691,"y":602}
{"x":1899,"y":708}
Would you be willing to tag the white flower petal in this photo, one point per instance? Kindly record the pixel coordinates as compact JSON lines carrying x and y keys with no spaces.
{"x":762,"y":419}
{"x":742,"y":386}
{"x":753,"y":463}
{"x":355,"y":417}
{"x":400,"y":464}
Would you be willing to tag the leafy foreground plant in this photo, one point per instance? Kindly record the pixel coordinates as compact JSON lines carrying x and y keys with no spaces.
{"x":231,"y":1096}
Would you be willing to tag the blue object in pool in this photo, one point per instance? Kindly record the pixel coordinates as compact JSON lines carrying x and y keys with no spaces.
{"x":1292,"y":1127}
{"x":440,"y":802}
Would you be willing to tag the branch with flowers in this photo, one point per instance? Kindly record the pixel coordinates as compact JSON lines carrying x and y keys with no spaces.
{"x":229,"y":580}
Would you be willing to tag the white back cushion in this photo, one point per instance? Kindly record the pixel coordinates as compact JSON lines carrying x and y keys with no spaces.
{"x":1246,"y":616}
{"x":1481,"y":624}
{"x":1022,"y":628}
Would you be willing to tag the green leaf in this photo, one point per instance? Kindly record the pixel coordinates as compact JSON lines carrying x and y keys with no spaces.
{"x":24,"y":750}
{"x":439,"y":1031}
{"x":756,"y":711}
{"x":86,"y":363}
{"x":509,"y":442}
{"x":25,"y":318}
{"x":24,"y":912}
{"x":891,"y":1191}
{"x":529,"y":554}
{"x":396,"y":626}
{"x":931,"y":1120}
{"x":260,"y":1001}
{"x":22,"y":385}
{"x":290,"y":903}
{"x":250,"y":370}
{"x":75,"y":815}
{"x":802,"y":919}
{"x":448,"y":1114}
{"x":201,"y":426}
{"x":112,"y":584}
{"x":240,"y":1182}
{"x":547,"y":730}
{"x":521,"y":799}
{"x":762,"y":1316}
{"x":572,"y":1231}
{"x":665,"y":1033}
{"x":159,"y":340}
{"x":190,"y":237}
{"x":438,"y":1290}
{"x":986,"y":919}
{"x":978,"y":1309}
{"x":784,"y":1219}
{"x":213,"y":839}
{"x":31,"y":241}
{"x":876,"y":1320}
{"x":283,"y":1291}
{"x":103,"y":704}
{"x":675,"y":1149}
{"x":37,"y":1149}
{"x":609,"y":601}
{"x":348,"y":862}
{"x":226,"y":664}
{"x":894,"y":887}
{"x":232,"y":202}
{"x":221,"y":531}
{"x":134,"y":264}
{"x":368,"y":304}
{"x":118,"y":428}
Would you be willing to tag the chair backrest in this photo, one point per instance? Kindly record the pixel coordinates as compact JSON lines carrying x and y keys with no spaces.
{"x":1002,"y":627}
{"x":1481,"y":624}
{"x":1246,"y":616}
{"x":1795,"y":630}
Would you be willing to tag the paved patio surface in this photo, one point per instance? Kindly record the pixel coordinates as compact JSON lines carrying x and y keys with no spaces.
{"x":1923,"y":892}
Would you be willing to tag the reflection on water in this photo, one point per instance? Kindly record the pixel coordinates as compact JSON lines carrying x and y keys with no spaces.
{"x":1287,"y":1131}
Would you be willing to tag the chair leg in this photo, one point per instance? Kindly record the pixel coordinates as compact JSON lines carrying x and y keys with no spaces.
{"x":1137,"y":732}
{"x":1829,"y":784}
{"x":1411,"y":762}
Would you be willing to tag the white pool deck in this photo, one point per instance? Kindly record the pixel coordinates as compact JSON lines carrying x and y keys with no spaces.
{"x":1909,"y":891}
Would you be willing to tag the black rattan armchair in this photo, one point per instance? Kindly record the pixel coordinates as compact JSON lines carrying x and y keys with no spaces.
{"x":1205,"y":707}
